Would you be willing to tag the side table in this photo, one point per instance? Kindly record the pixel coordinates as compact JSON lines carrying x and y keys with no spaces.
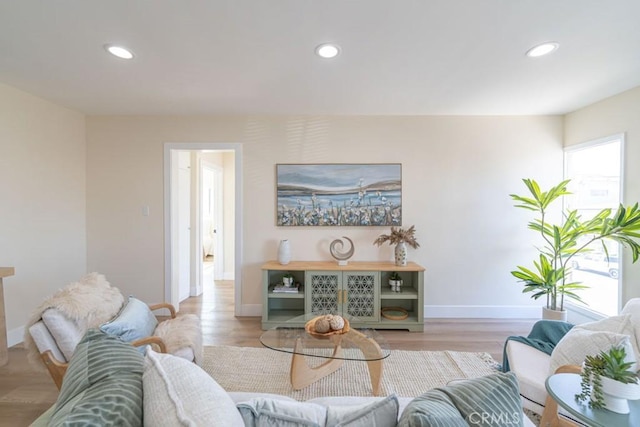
{"x":562,"y":388}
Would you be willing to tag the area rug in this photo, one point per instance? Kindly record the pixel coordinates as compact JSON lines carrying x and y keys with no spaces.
{"x":406,"y":373}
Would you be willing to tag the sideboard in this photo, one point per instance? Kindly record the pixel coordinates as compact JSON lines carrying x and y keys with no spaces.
{"x":359,"y":289}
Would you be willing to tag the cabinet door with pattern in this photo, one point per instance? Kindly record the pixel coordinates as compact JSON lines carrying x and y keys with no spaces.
{"x":322,"y":290}
{"x":360,"y":294}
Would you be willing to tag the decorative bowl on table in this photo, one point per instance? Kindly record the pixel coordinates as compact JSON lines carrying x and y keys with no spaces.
{"x":312,"y":328}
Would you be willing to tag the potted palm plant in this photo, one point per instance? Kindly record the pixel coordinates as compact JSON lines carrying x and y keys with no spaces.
{"x":550,"y":277}
{"x":607,"y":381}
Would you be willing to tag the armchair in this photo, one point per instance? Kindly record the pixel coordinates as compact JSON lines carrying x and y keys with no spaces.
{"x":59,"y":323}
{"x":533,"y":365}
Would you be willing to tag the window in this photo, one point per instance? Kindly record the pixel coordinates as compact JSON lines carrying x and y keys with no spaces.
{"x":595,"y":170}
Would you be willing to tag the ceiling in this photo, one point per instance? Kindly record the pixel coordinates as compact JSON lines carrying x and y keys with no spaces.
{"x":399,"y":57}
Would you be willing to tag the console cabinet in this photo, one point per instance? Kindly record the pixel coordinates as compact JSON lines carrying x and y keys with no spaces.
{"x":359,"y":289}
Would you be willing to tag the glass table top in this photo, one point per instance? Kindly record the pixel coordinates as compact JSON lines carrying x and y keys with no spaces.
{"x":354,"y":343}
{"x":564,"y":387}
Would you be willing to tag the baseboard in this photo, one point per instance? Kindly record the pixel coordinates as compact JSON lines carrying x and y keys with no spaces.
{"x":15,"y":336}
{"x":250,"y":310}
{"x":481,"y":312}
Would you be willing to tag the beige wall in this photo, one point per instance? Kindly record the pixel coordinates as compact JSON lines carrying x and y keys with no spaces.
{"x":42,"y":201}
{"x":618,"y":114}
{"x":457,"y":175}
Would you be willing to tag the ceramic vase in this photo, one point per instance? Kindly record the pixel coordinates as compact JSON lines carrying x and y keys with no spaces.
{"x":401,"y":254}
{"x":284,"y":252}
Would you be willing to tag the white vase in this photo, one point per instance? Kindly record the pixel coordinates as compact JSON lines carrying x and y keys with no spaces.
{"x":284,"y":252}
{"x":401,"y":254}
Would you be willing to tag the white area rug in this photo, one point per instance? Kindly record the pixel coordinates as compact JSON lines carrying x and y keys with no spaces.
{"x":406,"y":373}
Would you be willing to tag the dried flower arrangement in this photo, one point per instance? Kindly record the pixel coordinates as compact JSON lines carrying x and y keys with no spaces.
{"x":398,"y":235}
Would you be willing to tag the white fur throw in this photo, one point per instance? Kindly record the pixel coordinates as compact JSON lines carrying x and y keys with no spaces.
{"x":89,"y":302}
{"x":181,"y":332}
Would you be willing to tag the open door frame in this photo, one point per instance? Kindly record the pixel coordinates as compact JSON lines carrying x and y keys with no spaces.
{"x":170,"y":282}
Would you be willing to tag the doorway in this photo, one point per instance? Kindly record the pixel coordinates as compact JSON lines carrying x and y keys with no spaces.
{"x":228,"y":242}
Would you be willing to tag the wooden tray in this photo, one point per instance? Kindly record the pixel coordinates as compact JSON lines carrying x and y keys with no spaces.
{"x":310,"y":327}
{"x":394,"y":313}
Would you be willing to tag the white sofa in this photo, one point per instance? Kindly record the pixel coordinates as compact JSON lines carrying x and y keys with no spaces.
{"x":108,"y":378}
{"x":532,"y":366}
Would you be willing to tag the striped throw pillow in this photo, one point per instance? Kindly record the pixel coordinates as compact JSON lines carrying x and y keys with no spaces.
{"x":103,"y":384}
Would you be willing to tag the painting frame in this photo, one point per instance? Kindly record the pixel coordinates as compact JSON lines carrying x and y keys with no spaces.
{"x":338,"y":194}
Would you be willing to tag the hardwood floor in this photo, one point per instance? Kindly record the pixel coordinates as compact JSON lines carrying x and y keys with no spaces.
{"x":26,"y":392}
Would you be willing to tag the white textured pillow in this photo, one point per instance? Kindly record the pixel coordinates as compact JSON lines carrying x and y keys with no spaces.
{"x":622,"y":324}
{"x":64,"y":331}
{"x":178,"y":392}
{"x":579,"y":343}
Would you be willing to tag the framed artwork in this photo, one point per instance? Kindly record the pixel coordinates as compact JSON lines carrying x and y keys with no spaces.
{"x":339,"y":194}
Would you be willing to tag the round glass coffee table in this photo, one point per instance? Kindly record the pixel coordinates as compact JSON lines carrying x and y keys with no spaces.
{"x":563,"y":389}
{"x":365,"y":345}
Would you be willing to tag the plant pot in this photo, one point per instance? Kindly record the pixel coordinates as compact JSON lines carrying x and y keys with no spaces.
{"x":395,"y":285}
{"x":617,"y":394}
{"x":548,"y":314}
{"x":287,"y":281}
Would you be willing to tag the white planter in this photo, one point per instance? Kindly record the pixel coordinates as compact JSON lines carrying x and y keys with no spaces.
{"x":617,"y":394}
{"x":548,"y":314}
{"x":395,"y":285}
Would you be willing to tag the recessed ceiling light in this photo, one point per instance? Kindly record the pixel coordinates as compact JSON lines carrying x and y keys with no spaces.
{"x":119,"y":51}
{"x":328,"y":50}
{"x":543,"y":49}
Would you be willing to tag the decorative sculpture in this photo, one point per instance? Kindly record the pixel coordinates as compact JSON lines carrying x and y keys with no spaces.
{"x":341,"y":257}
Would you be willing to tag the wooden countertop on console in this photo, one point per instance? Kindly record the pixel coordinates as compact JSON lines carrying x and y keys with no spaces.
{"x":333,"y":265}
{"x":6,"y":272}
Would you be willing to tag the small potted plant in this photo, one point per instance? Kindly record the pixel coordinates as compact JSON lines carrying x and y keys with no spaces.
{"x":401,"y":238}
{"x":395,"y":281}
{"x":608,"y":381}
{"x":287,"y":280}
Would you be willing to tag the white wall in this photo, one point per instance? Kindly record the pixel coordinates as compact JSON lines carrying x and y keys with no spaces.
{"x":42,"y":201}
{"x":458,"y":173}
{"x":618,"y":114}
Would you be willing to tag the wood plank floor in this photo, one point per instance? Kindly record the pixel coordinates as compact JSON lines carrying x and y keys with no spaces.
{"x":25,"y":392}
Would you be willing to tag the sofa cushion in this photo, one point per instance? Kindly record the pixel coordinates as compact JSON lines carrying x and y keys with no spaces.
{"x":64,"y":330}
{"x":44,"y":340}
{"x":135,"y":321}
{"x":492,"y":400}
{"x":382,"y":413}
{"x":103,"y":384}
{"x":179,"y":392}
{"x":262,"y":411}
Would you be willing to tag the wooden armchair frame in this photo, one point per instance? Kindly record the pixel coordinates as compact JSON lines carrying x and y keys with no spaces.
{"x":550,"y":416}
{"x":57,"y":369}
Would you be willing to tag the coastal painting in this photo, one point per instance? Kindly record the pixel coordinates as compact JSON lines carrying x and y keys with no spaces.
{"x":339,"y":194}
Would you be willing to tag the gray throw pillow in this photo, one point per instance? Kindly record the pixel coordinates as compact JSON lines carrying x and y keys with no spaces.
{"x":489,"y":401}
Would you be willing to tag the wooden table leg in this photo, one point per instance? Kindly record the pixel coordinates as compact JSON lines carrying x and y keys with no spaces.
{"x":303,"y":375}
{"x":371,"y":351}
